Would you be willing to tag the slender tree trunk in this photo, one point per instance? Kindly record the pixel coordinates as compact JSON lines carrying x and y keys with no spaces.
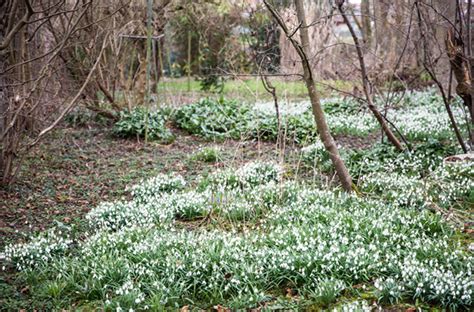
{"x":381,"y":31}
{"x":4,"y":96}
{"x":318,"y":113}
{"x":469,"y":35}
{"x":365,"y":83}
{"x":444,"y":14}
{"x":366,"y":22}
{"x":322,"y":127}
{"x":470,"y":62}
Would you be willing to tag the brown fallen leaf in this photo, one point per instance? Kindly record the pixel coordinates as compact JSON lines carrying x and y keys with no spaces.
{"x":290,"y":293}
{"x":220,"y":308}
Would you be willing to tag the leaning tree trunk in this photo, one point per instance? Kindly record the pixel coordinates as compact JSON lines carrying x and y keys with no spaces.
{"x":318,"y":113}
{"x":460,"y":66}
{"x":365,"y":82}
{"x":321,"y":125}
{"x":461,"y":69}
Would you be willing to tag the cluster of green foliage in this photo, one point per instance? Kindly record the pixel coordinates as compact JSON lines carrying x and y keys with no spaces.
{"x":419,"y":161}
{"x":419,"y":116}
{"x":222,"y":119}
{"x":141,"y":121}
{"x":214,"y":119}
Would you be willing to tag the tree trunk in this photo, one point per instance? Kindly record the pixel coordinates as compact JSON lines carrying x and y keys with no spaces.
{"x":425,"y":29}
{"x":469,"y":36}
{"x":4,"y":96}
{"x":445,"y":14}
{"x":460,"y":68}
{"x":470,"y":62}
{"x":382,"y":31}
{"x":318,"y":113}
{"x":366,"y":23}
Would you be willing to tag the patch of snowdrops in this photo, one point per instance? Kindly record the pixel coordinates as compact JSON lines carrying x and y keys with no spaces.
{"x":297,"y":118}
{"x":416,"y":178}
{"x":156,"y":185}
{"x":425,"y":122}
{"x":41,"y":249}
{"x":283,"y":234}
{"x":445,"y":186}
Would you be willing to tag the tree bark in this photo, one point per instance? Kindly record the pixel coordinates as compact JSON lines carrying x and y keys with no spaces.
{"x":318,"y":112}
{"x":469,"y":35}
{"x":460,"y":67}
{"x":366,"y":22}
{"x":382,"y":34}
{"x":470,"y":62}
{"x":4,"y":96}
{"x":4,"y":15}
{"x":444,"y":15}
